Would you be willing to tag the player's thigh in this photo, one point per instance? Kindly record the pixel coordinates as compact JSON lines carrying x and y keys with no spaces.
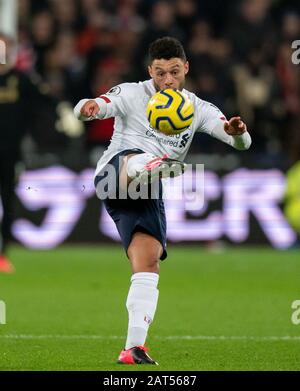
{"x":144,"y":253}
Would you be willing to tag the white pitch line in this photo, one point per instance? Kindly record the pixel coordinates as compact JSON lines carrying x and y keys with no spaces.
{"x":170,"y":337}
{"x":234,"y":337}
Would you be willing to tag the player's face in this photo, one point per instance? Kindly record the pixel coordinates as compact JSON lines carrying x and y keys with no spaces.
{"x":168,"y":73}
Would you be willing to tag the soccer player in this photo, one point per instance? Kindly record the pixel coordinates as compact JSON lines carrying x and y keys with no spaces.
{"x":138,"y":152}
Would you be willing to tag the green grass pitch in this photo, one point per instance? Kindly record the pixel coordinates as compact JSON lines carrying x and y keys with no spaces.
{"x":65,"y":310}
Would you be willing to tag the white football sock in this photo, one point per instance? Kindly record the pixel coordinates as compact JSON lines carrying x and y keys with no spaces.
{"x":137,"y":162}
{"x":141,"y":305}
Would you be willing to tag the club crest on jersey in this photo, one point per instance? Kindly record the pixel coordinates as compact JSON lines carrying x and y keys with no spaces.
{"x":114,"y":91}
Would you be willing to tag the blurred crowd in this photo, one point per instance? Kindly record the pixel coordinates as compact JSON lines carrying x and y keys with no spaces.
{"x":239,"y":52}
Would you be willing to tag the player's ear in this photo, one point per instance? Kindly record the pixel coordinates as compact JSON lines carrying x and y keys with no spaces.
{"x":150,"y":70}
{"x":186,"y":67}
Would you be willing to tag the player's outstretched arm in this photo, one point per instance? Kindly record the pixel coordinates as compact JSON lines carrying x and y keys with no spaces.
{"x":233,"y":132}
{"x":213,"y":122}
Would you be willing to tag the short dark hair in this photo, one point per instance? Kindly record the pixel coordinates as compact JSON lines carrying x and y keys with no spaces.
{"x":166,"y":48}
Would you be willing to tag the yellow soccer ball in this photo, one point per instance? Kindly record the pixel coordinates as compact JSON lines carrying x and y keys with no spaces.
{"x":170,"y":111}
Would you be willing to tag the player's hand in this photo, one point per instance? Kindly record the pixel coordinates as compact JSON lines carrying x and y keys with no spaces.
{"x":90,"y":109}
{"x":235,"y":126}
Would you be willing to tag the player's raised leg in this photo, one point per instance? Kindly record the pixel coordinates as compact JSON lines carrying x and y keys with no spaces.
{"x":147,"y":168}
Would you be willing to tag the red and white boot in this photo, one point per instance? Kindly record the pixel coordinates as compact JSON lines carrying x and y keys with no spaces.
{"x":146,"y":168}
{"x":136,"y":355}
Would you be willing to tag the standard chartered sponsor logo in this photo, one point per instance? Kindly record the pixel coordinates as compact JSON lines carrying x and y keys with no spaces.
{"x":176,"y":140}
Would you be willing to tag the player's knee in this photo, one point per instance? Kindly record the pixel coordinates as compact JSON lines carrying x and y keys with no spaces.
{"x":152,"y":263}
{"x":144,"y":252}
{"x":142,"y":265}
{"x":147,"y":262}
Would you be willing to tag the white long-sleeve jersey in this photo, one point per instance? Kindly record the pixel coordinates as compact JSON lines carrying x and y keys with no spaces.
{"x":127,"y":104}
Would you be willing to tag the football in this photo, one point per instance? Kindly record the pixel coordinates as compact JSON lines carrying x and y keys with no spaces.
{"x":170,"y":111}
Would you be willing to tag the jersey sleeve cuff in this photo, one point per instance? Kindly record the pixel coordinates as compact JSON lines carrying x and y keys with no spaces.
{"x":102,"y":103}
{"x":242,"y":141}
